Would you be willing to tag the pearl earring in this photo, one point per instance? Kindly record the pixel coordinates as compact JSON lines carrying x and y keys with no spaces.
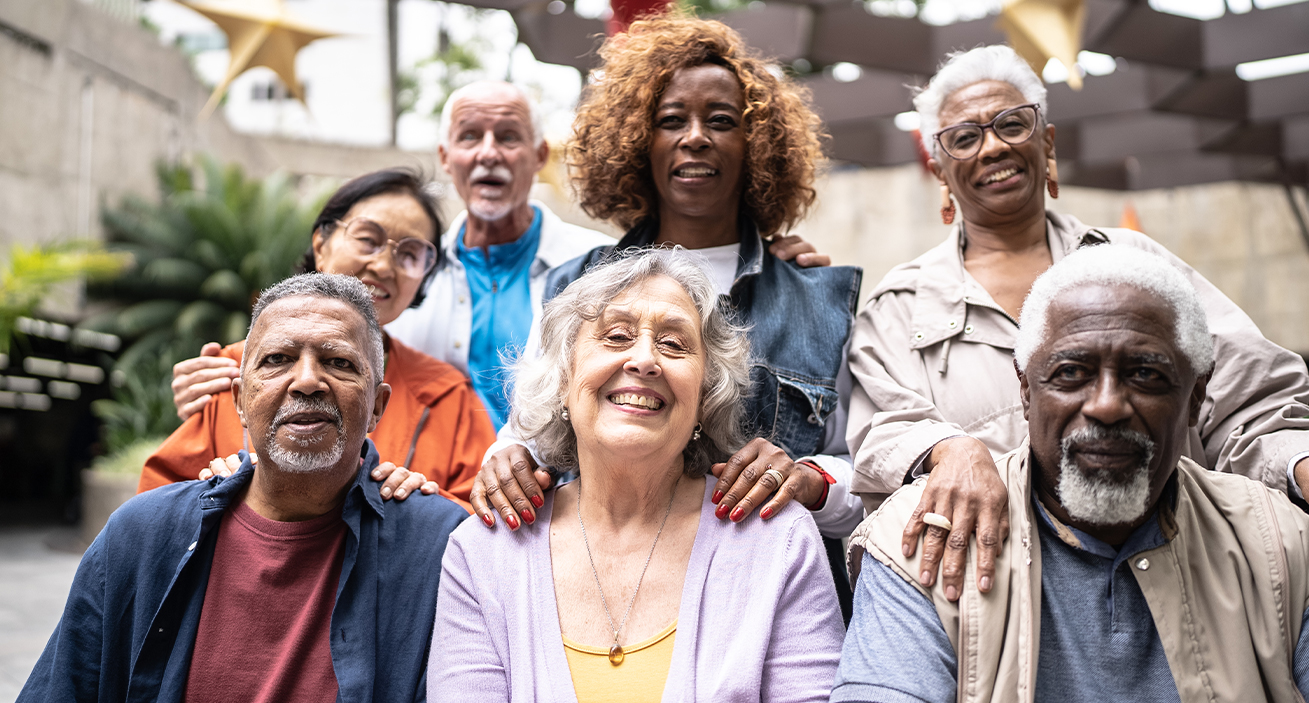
{"x":695,"y":436}
{"x":564,"y":414}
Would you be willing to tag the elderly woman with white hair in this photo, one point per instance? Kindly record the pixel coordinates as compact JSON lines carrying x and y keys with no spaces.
{"x":636,"y":591}
{"x":932,"y":354}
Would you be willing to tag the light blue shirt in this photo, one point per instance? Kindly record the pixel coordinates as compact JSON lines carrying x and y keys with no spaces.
{"x":1098,"y":639}
{"x":499,"y":283}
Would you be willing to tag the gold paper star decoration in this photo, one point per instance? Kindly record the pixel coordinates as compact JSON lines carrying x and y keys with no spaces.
{"x":259,"y":33}
{"x":1040,"y":30}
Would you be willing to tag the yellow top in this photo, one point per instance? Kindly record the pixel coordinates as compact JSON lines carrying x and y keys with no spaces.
{"x":638,"y":679}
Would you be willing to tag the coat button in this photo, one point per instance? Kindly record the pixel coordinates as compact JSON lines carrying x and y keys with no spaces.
{"x":918,"y":336}
{"x":461,"y":300}
{"x":1143,"y":564}
{"x":952,"y":324}
{"x":813,"y":419}
{"x":459,"y":345}
{"x":968,"y":329}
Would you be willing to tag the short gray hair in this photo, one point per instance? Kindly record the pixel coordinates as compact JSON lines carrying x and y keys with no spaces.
{"x":961,"y":69}
{"x":541,"y":385}
{"x":346,"y":289}
{"x":533,"y":111}
{"x":1117,"y":265}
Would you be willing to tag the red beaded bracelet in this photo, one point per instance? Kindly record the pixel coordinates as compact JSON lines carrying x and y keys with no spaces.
{"x":828,"y":480}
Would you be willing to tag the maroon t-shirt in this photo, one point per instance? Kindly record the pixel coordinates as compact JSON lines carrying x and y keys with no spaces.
{"x":265,"y":626}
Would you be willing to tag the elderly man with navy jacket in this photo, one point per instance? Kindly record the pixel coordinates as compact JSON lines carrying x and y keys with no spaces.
{"x":290,"y":580}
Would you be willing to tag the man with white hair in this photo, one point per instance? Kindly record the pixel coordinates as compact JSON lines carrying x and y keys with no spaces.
{"x":290,"y":581}
{"x":483,"y":303}
{"x":1132,"y":572}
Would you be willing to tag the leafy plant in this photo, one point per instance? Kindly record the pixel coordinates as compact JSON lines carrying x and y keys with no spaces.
{"x":30,"y":272}
{"x":142,"y":407}
{"x":453,"y":65}
{"x":202,"y":256}
{"x":130,"y":458}
{"x":203,"y":252}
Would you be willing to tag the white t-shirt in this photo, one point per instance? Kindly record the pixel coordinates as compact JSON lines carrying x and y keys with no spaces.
{"x":722,"y":265}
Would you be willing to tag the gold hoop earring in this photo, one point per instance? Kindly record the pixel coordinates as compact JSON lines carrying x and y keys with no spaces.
{"x":947,"y":206}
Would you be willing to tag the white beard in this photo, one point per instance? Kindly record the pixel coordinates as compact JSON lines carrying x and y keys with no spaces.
{"x":306,"y":462}
{"x":1090,"y":497}
{"x":299,"y":462}
{"x":492,"y":211}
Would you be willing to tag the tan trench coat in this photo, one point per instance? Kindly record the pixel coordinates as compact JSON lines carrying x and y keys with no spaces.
{"x":1227,"y":590}
{"x":932,"y":357}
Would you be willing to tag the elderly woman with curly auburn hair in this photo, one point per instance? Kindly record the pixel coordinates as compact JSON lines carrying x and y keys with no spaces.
{"x":688,"y":139}
{"x":633,"y":590}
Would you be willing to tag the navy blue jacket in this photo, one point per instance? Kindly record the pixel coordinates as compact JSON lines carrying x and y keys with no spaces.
{"x":800,"y":320}
{"x":129,"y":626}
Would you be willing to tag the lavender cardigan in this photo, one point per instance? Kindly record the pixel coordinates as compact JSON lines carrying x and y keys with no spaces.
{"x":759,"y":620}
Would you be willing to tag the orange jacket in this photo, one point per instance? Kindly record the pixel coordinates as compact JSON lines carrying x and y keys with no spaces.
{"x":434,"y":424}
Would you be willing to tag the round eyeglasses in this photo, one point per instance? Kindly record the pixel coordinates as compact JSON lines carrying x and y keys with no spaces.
{"x":411,"y":256}
{"x":1013,"y":126}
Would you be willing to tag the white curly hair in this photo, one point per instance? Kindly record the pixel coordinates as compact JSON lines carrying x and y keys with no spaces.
{"x":1116,"y":265}
{"x":961,"y":69}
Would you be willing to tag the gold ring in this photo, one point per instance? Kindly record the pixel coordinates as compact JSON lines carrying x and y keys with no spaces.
{"x":777,"y":476}
{"x":937,"y":520}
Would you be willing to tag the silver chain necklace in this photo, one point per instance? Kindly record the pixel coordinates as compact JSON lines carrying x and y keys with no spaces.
{"x":616,"y":651}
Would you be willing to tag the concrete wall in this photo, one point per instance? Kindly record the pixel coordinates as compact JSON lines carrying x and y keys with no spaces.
{"x":89,"y":103}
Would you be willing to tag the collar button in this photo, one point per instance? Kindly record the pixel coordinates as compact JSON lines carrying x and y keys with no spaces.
{"x":1143,"y":564}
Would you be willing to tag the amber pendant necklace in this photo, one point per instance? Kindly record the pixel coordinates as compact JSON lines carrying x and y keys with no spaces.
{"x":616,"y":651}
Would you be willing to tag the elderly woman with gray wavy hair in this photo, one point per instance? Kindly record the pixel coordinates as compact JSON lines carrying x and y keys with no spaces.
{"x":636,"y":587}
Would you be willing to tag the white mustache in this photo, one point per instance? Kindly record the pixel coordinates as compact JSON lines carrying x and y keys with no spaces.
{"x":307,"y":405}
{"x":501,"y":172}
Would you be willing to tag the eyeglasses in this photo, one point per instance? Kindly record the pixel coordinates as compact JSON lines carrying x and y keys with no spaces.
{"x":412,"y":256}
{"x":1013,"y":126}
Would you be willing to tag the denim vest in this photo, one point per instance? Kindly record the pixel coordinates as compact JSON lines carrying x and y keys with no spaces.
{"x":799,"y":319}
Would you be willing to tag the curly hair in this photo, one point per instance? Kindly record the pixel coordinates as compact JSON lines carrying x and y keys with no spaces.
{"x":609,"y":157}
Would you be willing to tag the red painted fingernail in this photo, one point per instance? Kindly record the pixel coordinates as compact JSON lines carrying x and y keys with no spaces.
{"x":718,"y":495}
{"x":721,"y":512}
{"x":490,"y":521}
{"x":738,"y":514}
{"x":538,"y":501}
{"x":766,"y":513}
{"x":528,"y":517}
{"x":511,"y":521}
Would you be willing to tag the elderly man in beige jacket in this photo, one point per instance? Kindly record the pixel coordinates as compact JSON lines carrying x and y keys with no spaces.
{"x":1133,"y":573}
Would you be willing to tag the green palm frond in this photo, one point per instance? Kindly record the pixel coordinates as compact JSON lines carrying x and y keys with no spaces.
{"x":204,"y":251}
{"x":29,"y":273}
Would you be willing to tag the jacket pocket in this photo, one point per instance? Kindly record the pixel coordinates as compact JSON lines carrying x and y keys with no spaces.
{"x":791,"y":412}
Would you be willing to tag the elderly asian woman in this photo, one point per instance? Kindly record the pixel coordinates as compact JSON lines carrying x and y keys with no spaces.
{"x":932,"y":355}
{"x":635,"y":591}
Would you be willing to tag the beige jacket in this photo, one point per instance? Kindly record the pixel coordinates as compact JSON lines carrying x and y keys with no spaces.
{"x":932,"y":357}
{"x":1227,"y":591}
